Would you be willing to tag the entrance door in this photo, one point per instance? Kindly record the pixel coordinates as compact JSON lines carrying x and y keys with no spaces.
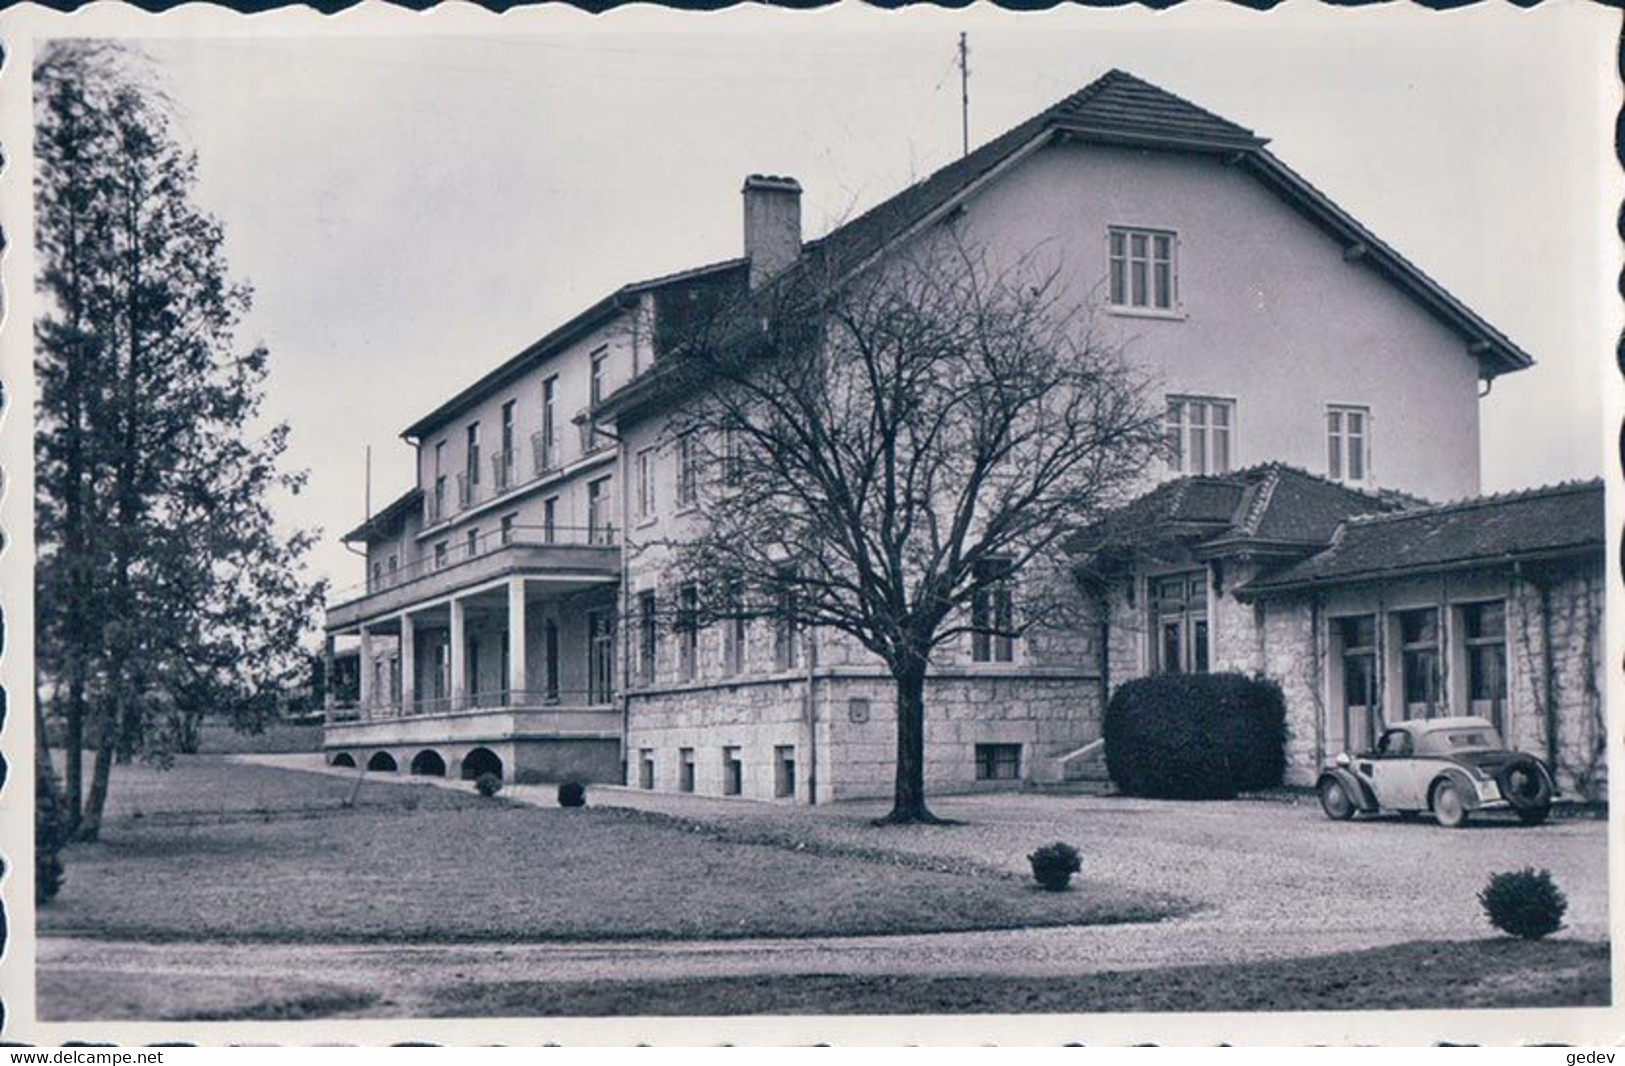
{"x":600,"y":656}
{"x":1358,"y":637}
{"x":1484,"y":626}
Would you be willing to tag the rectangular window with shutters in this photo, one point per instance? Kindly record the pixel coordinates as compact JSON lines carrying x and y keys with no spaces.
{"x":1143,"y":270}
{"x":733,"y":772}
{"x":1348,"y":443}
{"x":685,"y":769}
{"x":646,"y":768}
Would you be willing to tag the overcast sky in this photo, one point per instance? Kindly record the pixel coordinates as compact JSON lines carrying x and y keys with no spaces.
{"x":412,"y":210}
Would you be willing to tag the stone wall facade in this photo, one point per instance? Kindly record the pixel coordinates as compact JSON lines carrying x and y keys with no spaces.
{"x":1554,"y":656}
{"x":844,"y":745}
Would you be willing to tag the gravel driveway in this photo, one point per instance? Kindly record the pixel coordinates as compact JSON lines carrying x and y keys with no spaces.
{"x":1272,"y":879}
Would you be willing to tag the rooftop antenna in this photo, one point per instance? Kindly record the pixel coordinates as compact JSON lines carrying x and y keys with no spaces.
{"x":964,"y":93}
{"x":368,"y":500}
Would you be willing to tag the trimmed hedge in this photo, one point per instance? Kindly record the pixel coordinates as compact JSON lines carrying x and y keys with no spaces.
{"x":1196,"y":736}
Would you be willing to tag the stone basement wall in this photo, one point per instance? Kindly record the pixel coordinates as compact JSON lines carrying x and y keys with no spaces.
{"x":1046,"y":715}
{"x":756,"y":717}
{"x":855,"y":735}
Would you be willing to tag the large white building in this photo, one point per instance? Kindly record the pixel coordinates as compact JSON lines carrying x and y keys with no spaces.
{"x":510,"y":623}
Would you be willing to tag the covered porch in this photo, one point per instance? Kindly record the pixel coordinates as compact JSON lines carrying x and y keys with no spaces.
{"x":524,"y":643}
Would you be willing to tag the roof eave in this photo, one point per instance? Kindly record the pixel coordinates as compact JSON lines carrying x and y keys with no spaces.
{"x":1254,"y":591}
{"x":1496,"y":353}
{"x":1139,"y":138}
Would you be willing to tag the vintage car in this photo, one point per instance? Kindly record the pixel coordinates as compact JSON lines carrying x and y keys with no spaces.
{"x":1450,"y":766}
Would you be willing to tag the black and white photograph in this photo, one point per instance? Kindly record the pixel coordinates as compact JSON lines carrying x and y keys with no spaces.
{"x":1087,"y":525}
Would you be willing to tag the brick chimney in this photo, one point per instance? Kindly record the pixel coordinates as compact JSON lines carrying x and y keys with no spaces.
{"x":772,"y":225}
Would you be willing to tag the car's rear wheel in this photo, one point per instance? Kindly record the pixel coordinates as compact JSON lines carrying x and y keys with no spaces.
{"x":1448,"y":806}
{"x":1527,"y":786}
{"x":1335,"y":800}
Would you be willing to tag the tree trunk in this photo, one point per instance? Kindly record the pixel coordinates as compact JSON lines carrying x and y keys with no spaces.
{"x":90,"y":822}
{"x":74,"y":740}
{"x":908,"y":796}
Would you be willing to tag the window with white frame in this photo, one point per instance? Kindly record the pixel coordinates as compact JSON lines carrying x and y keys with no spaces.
{"x":1200,"y":431}
{"x":685,"y":471}
{"x":1143,"y":271}
{"x":646,"y":483}
{"x":1348,"y":442}
{"x":993,"y":613}
{"x":688,"y":632}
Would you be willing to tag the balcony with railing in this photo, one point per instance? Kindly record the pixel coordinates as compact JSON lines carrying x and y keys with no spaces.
{"x":498,"y":713}
{"x":544,"y":454}
{"x":593,"y":438}
{"x":503,"y":472}
{"x":589,"y":553}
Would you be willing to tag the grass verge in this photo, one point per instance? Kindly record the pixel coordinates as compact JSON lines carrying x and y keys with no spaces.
{"x":214,"y":850}
{"x":1481,"y":974}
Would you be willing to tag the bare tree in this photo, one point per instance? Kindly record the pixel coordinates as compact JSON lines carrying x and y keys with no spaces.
{"x":885,"y":456}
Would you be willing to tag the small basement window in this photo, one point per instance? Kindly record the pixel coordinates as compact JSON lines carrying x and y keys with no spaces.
{"x":998,"y":762}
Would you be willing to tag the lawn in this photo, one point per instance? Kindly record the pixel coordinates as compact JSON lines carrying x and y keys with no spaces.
{"x":214,"y":850}
{"x":1479,"y":974}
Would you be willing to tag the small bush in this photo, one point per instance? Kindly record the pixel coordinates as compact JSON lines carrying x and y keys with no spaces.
{"x":1054,"y":864}
{"x":48,"y":834}
{"x":1524,"y":903}
{"x":1196,"y":736}
{"x":572,"y":794}
{"x":488,"y":784}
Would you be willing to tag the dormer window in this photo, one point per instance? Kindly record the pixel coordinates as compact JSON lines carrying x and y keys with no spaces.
{"x":1143,"y":272}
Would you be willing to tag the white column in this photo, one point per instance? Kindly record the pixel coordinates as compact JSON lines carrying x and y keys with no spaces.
{"x":366,"y":672}
{"x":409,"y":663}
{"x":328,"y":698}
{"x":458,"y":682}
{"x":516,"y":640}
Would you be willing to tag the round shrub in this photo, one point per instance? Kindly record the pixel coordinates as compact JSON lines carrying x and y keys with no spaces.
{"x":1524,"y":903}
{"x":1196,"y":736}
{"x":488,"y":784}
{"x":1054,"y":864}
{"x":572,"y":794}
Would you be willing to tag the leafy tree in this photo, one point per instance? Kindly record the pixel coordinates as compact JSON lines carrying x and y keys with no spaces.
{"x":164,"y":588}
{"x":888,"y":453}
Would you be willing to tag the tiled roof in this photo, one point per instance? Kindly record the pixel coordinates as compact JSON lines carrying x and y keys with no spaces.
{"x":1537,"y":523}
{"x":685,"y":281}
{"x":1116,"y":108}
{"x":1272,"y":506}
{"x":387,"y":521}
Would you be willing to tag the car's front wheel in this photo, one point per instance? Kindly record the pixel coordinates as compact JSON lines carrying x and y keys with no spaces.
{"x":1335,"y":800}
{"x":1448,"y":806}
